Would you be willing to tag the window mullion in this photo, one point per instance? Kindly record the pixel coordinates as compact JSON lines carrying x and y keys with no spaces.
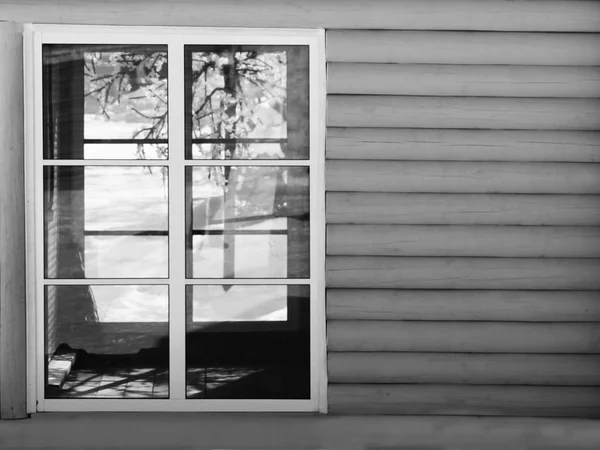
{"x":176,"y":96}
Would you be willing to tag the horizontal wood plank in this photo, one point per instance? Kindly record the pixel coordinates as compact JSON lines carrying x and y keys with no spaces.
{"x":462,"y":337}
{"x":457,"y":240}
{"x":457,"y":47}
{"x":422,"y":144}
{"x":462,"y":273}
{"x":463,"y":305}
{"x":169,"y":430}
{"x":462,"y":209}
{"x":463,"y":368}
{"x":526,"y":15}
{"x":463,"y":80}
{"x":463,"y":177}
{"x":494,"y":113}
{"x":540,"y":401}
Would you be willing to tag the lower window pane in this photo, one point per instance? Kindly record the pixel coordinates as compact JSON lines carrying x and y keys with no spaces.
{"x":248,"y":342}
{"x":107,"y":341}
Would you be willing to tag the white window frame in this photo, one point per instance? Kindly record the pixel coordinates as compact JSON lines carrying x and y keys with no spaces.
{"x":175,"y":37}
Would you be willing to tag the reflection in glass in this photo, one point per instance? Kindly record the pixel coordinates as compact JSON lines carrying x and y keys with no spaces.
{"x":247,"y":222}
{"x":89,"y":356}
{"x":103,"y":94}
{"x":238,"y":303}
{"x":125,"y":151}
{"x":106,"y":222}
{"x":240,"y":346}
{"x":247,"y":102}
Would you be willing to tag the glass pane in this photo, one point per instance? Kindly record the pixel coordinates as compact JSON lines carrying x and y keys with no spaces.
{"x":125,"y":151}
{"x":247,"y":102}
{"x":247,"y":222}
{"x":238,"y":303}
{"x":103,"y":94}
{"x":106,"y":222}
{"x":248,"y":342}
{"x":107,"y":341}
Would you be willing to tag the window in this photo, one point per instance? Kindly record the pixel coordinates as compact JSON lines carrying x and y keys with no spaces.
{"x":176,"y":219}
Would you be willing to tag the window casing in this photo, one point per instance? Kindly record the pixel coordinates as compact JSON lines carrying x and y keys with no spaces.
{"x":188,"y":284}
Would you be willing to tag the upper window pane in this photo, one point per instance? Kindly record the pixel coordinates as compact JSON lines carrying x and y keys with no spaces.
{"x":105,"y":101}
{"x":247,"y":102}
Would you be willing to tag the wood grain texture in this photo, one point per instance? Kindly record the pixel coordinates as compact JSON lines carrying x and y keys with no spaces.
{"x":13,"y":346}
{"x":167,"y":430}
{"x":462,"y":273}
{"x":457,"y":47}
{"x":462,"y":177}
{"x":540,"y":401}
{"x":462,"y":337}
{"x":493,"y":113}
{"x":462,"y":209}
{"x":423,"y":144}
{"x":463,"y":305}
{"x":457,"y":240}
{"x":526,"y":15}
{"x":463,"y":368}
{"x":463,"y":80}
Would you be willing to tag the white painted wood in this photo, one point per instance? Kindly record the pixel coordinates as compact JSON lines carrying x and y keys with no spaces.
{"x":527,"y":15}
{"x":463,"y":177}
{"x":13,"y":343}
{"x":177,"y":211}
{"x":463,"y":337}
{"x":459,"y":47}
{"x":176,"y":39}
{"x":541,"y":401}
{"x":463,"y":305}
{"x":383,"y":111}
{"x":462,"y":209}
{"x":193,"y":405}
{"x":387,"y":272}
{"x":318,"y":324}
{"x":463,"y":80}
{"x":456,"y":240}
{"x":463,"y":145}
{"x":464,"y":369}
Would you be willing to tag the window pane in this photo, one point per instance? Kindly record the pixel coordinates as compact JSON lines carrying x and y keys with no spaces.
{"x":103,"y":94}
{"x":248,"y":350}
{"x":247,"y":102}
{"x":247,"y":222}
{"x":125,"y":151}
{"x":91,"y":355}
{"x":106,"y":222}
{"x":238,"y":303}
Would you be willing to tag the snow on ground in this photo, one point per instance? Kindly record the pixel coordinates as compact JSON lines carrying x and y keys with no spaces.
{"x":133,"y":198}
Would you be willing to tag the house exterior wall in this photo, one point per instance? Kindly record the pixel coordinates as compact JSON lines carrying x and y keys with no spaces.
{"x":457,"y":283}
{"x":463,"y":196}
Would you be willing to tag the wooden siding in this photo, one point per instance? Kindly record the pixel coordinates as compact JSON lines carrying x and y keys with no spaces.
{"x":459,"y":47}
{"x":499,"y":15}
{"x":468,"y":81}
{"x":382,"y":111}
{"x":464,"y":368}
{"x":463,"y":222}
{"x":422,"y":144}
{"x":494,"y":400}
{"x":464,"y":305}
{"x":13,"y":371}
{"x":462,"y":209}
